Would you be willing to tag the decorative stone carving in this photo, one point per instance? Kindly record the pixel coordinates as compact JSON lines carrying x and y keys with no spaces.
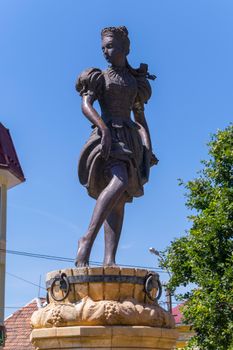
{"x":96,"y":313}
{"x":102,"y":296}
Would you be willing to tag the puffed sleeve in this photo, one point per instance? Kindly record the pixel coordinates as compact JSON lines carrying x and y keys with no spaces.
{"x":143,"y":93}
{"x":144,"y":89}
{"x":90,"y":82}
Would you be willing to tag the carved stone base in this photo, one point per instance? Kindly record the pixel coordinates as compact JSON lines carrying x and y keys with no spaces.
{"x":105,"y":312}
{"x":103,"y":308}
{"x":102,"y":296}
{"x":104,"y":338}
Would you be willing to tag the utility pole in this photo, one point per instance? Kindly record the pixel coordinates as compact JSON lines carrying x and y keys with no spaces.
{"x":3,"y":199}
{"x":168,"y":299}
{"x":11,"y":175}
{"x":167,"y":290}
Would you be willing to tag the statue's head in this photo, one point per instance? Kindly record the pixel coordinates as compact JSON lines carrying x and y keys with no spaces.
{"x":115,"y":44}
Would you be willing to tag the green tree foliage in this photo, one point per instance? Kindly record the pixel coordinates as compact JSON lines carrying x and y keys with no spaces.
{"x":205,"y":255}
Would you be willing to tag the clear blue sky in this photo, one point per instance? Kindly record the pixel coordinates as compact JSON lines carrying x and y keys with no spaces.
{"x":44,"y":45}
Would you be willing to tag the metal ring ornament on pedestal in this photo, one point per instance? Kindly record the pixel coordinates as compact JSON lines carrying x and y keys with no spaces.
{"x":152,"y":281}
{"x":64,"y":285}
{"x":47,"y":298}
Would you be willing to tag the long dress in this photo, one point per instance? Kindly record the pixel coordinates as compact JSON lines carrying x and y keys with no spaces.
{"x":118,"y":93}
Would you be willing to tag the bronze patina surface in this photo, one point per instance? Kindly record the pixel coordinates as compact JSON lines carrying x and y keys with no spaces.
{"x":115,"y":162}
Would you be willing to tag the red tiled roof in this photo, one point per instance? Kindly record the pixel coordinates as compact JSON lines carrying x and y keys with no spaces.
{"x":176,"y":312}
{"x":18,"y":327}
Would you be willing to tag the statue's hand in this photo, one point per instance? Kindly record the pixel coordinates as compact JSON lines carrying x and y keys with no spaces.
{"x":106,"y":142}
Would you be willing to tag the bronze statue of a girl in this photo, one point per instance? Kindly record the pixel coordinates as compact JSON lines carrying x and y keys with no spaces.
{"x":115,"y":162}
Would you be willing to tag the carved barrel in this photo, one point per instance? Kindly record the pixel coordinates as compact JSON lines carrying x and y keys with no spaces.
{"x":103,"y":283}
{"x":103,"y":308}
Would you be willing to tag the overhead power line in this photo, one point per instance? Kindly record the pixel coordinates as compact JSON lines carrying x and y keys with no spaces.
{"x":64,"y":259}
{"x":24,"y":280}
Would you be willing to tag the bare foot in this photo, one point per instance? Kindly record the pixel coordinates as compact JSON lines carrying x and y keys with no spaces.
{"x":83,"y":253}
{"x":110,"y":263}
{"x":79,"y":263}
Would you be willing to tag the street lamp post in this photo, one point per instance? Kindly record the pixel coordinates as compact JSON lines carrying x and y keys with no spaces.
{"x":11,"y":174}
{"x":168,"y":291}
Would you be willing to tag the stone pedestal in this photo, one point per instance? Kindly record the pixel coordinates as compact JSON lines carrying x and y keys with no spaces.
{"x":103,"y":308}
{"x":105,"y":338}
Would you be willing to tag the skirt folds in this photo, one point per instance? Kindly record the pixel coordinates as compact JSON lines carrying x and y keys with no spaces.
{"x":127,"y":146}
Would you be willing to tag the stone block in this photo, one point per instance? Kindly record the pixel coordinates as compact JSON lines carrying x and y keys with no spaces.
{"x":100,"y":337}
{"x":139,"y":293}
{"x":111,"y":290}
{"x":96,"y":290}
{"x":127,"y":289}
{"x":81,"y":289}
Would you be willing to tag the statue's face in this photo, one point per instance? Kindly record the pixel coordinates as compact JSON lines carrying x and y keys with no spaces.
{"x":113,"y":50}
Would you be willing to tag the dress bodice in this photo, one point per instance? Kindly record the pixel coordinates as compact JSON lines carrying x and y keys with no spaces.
{"x":117,"y":90}
{"x":119,"y":93}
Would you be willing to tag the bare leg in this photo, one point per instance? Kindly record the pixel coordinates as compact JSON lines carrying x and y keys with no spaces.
{"x":104,"y":205}
{"x":112,"y":231}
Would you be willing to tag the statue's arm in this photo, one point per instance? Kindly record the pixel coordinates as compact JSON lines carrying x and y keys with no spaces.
{"x":140,"y":119}
{"x":90,"y":112}
{"x":92,"y":115}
